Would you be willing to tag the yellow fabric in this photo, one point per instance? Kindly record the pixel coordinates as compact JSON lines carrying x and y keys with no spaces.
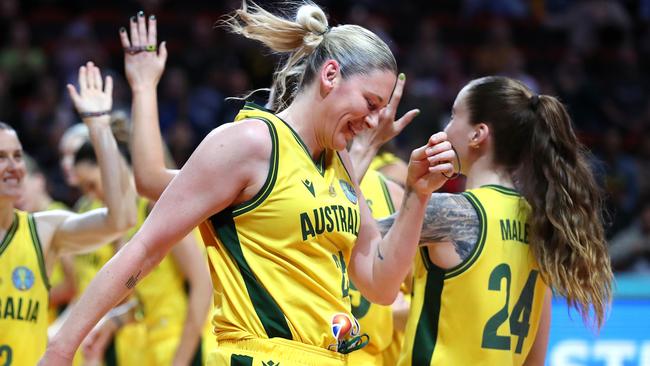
{"x":272,"y":352}
{"x":382,"y":159}
{"x":279,"y":261}
{"x":375,"y":320}
{"x":87,"y":265}
{"x":23,"y":294}
{"x":164,"y":306}
{"x":56,"y":276}
{"x":476,"y":312}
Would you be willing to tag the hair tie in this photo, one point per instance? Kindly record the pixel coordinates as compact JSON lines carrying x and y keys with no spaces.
{"x":534,"y":102}
{"x":327,"y":30}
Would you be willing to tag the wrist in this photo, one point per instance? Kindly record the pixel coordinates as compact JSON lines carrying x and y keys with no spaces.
{"x":411,"y":194}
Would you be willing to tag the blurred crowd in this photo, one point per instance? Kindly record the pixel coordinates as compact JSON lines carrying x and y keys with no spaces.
{"x":593,"y":54}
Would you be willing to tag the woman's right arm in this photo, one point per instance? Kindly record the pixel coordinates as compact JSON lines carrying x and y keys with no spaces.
{"x":235,"y":154}
{"x":143,"y":71}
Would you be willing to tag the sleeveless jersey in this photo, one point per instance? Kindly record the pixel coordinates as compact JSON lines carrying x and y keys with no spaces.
{"x":375,"y":320}
{"x":487,"y":309}
{"x":56,"y":276}
{"x":381,"y":160}
{"x":279,"y":261}
{"x":161,"y":292}
{"x":23,"y":294}
{"x":87,"y":265}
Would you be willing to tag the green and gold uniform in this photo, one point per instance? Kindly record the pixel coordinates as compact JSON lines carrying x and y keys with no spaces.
{"x":487,"y":309}
{"x":164,"y":306}
{"x":87,"y":265}
{"x":56,"y":276}
{"x":279,"y":260}
{"x":23,"y":294}
{"x":382,"y":159}
{"x":375,"y":320}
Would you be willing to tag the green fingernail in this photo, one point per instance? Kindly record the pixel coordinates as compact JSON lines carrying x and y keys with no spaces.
{"x":417,"y":113}
{"x":141,"y":13}
{"x":133,"y":19}
{"x":402,"y":76}
{"x":122,"y":29}
{"x":152,"y":17}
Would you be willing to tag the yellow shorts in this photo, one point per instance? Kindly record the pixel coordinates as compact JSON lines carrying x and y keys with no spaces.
{"x":270,"y":352}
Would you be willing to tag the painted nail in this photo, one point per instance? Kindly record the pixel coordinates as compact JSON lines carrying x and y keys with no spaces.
{"x":122,"y":29}
{"x":141,"y":13}
{"x":152,"y":17}
{"x":133,"y":19}
{"x":402,"y":76}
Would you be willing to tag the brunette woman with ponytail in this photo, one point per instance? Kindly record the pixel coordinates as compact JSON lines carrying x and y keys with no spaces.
{"x":530,"y":221}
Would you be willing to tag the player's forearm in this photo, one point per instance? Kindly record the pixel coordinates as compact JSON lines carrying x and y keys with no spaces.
{"x":395,"y":252}
{"x":119,"y":192}
{"x":151,"y":175}
{"x":111,"y":284}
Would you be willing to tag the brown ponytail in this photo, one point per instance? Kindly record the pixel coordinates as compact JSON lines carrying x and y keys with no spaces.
{"x":534,"y":140}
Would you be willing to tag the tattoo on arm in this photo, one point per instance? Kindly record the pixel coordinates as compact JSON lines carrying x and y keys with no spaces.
{"x":451,"y":218}
{"x":133,"y":280}
{"x":448,"y":218}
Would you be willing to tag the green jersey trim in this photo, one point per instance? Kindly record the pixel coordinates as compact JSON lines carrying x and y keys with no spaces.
{"x":268,"y":311}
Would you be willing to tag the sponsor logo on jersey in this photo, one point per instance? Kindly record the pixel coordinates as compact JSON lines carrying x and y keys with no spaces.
{"x":310,"y":186}
{"x":349,"y":191}
{"x":22,"y":278}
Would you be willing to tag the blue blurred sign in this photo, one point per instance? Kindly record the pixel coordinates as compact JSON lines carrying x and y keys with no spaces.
{"x":624,"y":340}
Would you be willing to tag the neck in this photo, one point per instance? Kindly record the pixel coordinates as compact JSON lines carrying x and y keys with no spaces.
{"x":483,"y":171}
{"x":6,"y":214}
{"x":300,"y":116}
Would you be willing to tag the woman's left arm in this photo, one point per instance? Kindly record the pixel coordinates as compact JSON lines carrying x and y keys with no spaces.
{"x":379,"y":265}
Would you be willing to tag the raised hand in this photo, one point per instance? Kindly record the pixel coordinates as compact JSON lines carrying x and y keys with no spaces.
{"x":144,"y":61}
{"x":387,"y":127}
{"x":95,"y":98}
{"x":431,"y":165}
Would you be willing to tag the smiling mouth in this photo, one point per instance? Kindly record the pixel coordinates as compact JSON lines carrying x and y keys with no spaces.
{"x":11,"y":180}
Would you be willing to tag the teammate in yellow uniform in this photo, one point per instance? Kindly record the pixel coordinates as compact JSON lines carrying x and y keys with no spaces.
{"x":36,"y":198}
{"x":382,"y":196}
{"x":162,"y":298}
{"x":278,"y":205}
{"x":32,"y":242}
{"x":530,"y":220}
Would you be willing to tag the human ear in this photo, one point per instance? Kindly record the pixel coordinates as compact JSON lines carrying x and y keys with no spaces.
{"x":480,"y":133}
{"x":329,"y":72}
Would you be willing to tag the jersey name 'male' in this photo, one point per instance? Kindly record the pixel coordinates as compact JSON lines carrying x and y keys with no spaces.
{"x":328,"y":219}
{"x":19,"y":309}
{"x":514,"y":230}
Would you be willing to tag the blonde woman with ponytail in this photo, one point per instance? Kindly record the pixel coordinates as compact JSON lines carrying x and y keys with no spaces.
{"x":529,"y":221}
{"x":285,"y":224}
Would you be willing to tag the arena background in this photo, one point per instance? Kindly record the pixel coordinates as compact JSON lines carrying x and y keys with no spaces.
{"x":593,"y":54}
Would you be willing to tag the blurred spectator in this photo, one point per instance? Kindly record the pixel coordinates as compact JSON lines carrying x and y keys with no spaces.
{"x":630,"y":249}
{"x":619,"y":180}
{"x":21,"y":60}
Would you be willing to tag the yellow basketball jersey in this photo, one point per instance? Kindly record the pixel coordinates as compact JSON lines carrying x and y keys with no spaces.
{"x":161,"y":292}
{"x":279,"y":260}
{"x":381,"y":160}
{"x":87,"y":265}
{"x":487,"y":309}
{"x":23,"y":294}
{"x":375,"y":320}
{"x":56,"y":276}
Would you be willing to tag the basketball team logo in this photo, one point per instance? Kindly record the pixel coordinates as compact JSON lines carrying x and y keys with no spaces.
{"x":349,"y":191}
{"x":22,"y":278}
{"x":341,"y":326}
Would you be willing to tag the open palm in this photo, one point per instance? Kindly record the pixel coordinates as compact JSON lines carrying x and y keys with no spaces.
{"x":94,"y":95}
